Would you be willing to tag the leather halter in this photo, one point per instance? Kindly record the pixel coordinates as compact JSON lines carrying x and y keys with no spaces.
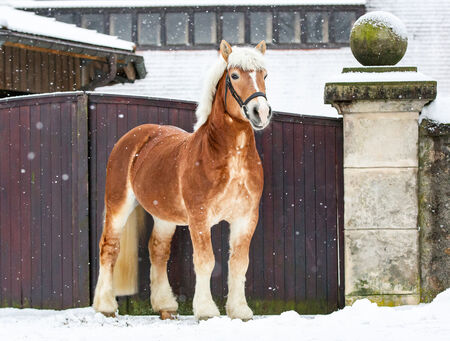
{"x":242,"y":104}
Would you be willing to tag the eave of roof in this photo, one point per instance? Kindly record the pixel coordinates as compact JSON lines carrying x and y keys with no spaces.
{"x":87,"y":51}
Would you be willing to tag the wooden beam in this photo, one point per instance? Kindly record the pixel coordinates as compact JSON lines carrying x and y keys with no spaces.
{"x":52,"y":51}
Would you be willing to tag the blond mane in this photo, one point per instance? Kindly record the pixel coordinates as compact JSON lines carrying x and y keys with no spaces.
{"x":245,"y":58}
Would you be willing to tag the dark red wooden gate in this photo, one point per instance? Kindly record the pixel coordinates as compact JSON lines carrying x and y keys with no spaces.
{"x":44,"y":227}
{"x":296,"y":259}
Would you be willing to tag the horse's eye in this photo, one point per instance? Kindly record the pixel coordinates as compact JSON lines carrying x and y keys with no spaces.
{"x":234,"y":76}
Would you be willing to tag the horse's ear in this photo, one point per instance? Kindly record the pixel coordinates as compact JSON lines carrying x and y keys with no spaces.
{"x":261,"y":47}
{"x":225,"y":50}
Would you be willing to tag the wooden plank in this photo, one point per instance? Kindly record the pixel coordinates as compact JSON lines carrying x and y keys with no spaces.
{"x":46,"y":205}
{"x":59,"y":76}
{"x":65,"y":72}
{"x":30,"y":74}
{"x":100,"y":176}
{"x":310,"y":222}
{"x":15,"y":68}
{"x":5,"y":216}
{"x":77,"y":70}
{"x":71,"y":74}
{"x":321,"y":226}
{"x":51,"y":70}
{"x":14,"y":203}
{"x":65,"y":179}
{"x":331,"y":218}
{"x":8,"y":68}
{"x":132,"y":116}
{"x":257,"y":244}
{"x":78,"y":267}
{"x":289,"y":211}
{"x":36,"y":240}
{"x":122,"y":116}
{"x":2,"y":67}
{"x":152,"y":115}
{"x":25,"y":209}
{"x":22,"y":72}
{"x":37,"y":74}
{"x":56,"y":200}
{"x":45,"y":76}
{"x":80,"y":153}
{"x":278,"y":214}
{"x":268,"y":216}
{"x":300,"y":231}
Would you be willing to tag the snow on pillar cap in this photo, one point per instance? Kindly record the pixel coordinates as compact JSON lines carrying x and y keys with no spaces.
{"x":378,"y":38}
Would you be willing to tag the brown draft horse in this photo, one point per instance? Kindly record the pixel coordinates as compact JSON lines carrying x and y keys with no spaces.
{"x":193,"y":179}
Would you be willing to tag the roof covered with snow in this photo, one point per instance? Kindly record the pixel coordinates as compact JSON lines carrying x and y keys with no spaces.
{"x":176,"y":3}
{"x":30,"y":23}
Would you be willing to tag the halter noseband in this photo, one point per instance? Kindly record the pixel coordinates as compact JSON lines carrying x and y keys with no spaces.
{"x":242,"y":104}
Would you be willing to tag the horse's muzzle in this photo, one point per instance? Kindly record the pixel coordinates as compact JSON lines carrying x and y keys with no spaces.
{"x":260,"y":115}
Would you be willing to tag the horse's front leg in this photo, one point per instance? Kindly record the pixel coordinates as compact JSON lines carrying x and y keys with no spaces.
{"x":203,"y":304}
{"x":241,"y":232}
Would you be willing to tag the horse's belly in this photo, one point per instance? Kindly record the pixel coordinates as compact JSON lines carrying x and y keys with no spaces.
{"x":155,"y":183}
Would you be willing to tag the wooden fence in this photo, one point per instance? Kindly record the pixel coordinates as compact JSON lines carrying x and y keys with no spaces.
{"x":296,"y":259}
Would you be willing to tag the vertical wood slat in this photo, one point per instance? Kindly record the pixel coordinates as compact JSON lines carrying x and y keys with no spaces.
{"x":82,"y":198}
{"x":289,"y":211}
{"x":8,"y":67}
{"x":2,"y":67}
{"x":56,"y":201}
{"x":46,"y":208}
{"x":65,"y":179}
{"x":310,"y":241}
{"x":14,"y":203}
{"x":278,"y":214}
{"x":25,"y":214}
{"x":300,"y":230}
{"x":5,"y":231}
{"x":320,"y":212}
{"x":36,"y":223}
{"x":15,"y":68}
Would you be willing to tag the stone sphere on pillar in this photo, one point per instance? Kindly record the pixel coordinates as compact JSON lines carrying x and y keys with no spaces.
{"x":378,"y":38}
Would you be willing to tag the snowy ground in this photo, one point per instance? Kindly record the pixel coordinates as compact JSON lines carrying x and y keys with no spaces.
{"x":363,"y":321}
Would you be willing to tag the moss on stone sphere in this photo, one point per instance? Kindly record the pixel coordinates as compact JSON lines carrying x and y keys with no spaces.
{"x":378,"y":38}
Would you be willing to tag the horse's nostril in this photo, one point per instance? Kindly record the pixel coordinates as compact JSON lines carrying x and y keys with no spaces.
{"x":255,"y":111}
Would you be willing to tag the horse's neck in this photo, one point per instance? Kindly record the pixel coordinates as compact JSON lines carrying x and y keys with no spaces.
{"x":224,"y":133}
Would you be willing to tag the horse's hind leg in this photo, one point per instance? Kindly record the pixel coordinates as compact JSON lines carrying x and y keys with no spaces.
{"x":161,"y":297}
{"x":117,"y":210}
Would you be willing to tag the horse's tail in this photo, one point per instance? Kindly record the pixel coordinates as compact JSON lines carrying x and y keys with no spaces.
{"x":125,"y":276}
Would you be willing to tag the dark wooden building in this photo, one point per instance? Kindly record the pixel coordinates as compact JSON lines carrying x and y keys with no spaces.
{"x":60,"y":57}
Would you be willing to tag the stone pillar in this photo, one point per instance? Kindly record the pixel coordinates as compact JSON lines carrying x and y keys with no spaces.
{"x":380,"y":108}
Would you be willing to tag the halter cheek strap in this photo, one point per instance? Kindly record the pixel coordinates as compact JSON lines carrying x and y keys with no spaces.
{"x":242,"y":104}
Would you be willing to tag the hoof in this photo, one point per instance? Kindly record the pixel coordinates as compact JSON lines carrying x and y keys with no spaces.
{"x":168,"y":315}
{"x":242,"y":312}
{"x":206,"y":312}
{"x":109,"y":314}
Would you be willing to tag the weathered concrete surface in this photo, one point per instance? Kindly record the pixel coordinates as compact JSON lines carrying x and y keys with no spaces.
{"x":381,"y":262}
{"x":386,"y":300}
{"x":373,"y":140}
{"x":434,"y":208}
{"x":380,"y":198}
